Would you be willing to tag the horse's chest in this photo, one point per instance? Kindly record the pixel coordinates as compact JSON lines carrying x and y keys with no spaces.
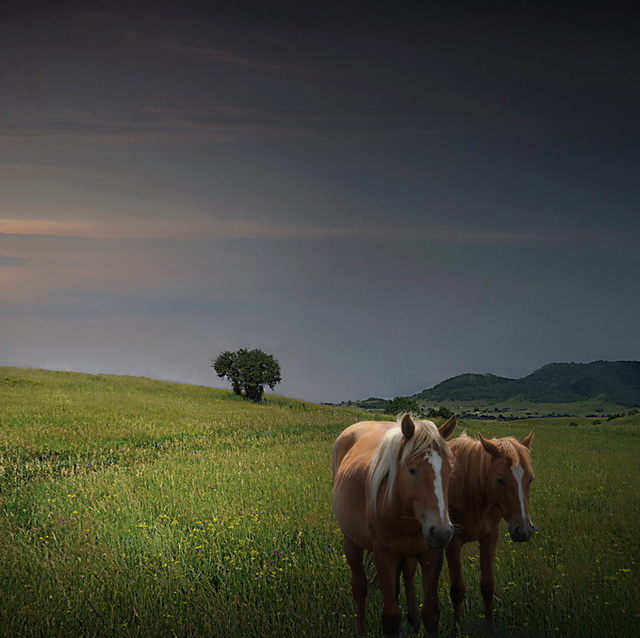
{"x":471,"y":528}
{"x":405,"y":541}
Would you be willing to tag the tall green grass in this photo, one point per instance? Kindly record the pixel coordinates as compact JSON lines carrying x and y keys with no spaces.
{"x":132,"y":507}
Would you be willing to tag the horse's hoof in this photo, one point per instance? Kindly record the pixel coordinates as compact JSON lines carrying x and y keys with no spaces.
{"x":392,"y":625}
{"x":414,"y":625}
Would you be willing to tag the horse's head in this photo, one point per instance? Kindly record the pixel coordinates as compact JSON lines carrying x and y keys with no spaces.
{"x":423,"y":477}
{"x":509,"y":480}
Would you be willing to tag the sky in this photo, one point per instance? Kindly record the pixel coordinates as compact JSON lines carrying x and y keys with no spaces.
{"x":381,"y":195}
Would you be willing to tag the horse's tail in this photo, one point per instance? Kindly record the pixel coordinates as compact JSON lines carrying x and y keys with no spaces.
{"x":370,"y":571}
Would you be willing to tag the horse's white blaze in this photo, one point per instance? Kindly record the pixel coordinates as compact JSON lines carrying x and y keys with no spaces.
{"x":435,"y":460}
{"x":518,"y":472}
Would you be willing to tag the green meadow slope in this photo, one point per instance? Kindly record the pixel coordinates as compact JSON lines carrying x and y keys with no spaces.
{"x":132,"y":507}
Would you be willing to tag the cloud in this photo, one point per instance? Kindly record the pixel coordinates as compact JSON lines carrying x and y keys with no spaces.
{"x":199,"y":229}
{"x":8,"y":260}
{"x":174,"y":44}
{"x":146,"y":124}
{"x":50,"y":227}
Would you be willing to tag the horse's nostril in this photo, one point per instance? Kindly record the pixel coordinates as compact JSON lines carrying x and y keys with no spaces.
{"x":431,"y":532}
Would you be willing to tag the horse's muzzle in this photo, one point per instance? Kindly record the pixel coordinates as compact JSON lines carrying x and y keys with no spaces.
{"x":438,"y":536}
{"x":521,"y":534}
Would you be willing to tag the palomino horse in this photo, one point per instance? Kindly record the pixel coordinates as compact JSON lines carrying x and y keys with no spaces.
{"x":490,"y":481}
{"x":390,"y":485}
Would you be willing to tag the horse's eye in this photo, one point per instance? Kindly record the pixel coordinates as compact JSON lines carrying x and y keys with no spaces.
{"x":413,"y":471}
{"x":501,"y":481}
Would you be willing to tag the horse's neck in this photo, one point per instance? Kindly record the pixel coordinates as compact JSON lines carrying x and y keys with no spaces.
{"x":392,"y":518}
{"x":392,"y":506}
{"x":470,"y":495}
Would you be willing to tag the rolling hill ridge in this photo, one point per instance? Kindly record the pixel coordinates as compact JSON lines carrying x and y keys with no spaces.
{"x":608,"y":381}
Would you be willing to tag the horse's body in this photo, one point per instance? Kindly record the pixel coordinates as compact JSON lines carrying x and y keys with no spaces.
{"x":390,"y":484}
{"x":490,"y":482}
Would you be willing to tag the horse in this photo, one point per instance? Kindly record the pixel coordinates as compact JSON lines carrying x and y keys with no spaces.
{"x":390,"y":487}
{"x":490,"y":482}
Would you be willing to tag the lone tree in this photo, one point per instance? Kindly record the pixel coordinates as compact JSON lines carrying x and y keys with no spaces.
{"x":248,"y":371}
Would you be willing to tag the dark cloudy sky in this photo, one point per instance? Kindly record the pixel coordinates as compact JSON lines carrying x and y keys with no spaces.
{"x":382,"y":195}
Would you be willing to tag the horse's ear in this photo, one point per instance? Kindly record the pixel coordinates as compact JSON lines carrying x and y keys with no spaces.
{"x":527,"y":440}
{"x":489,"y":446}
{"x":408,"y":426}
{"x":447,"y":429}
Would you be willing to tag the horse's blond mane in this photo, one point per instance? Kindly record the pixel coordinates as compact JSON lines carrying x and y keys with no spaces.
{"x":474,"y":464}
{"x":387,"y":458}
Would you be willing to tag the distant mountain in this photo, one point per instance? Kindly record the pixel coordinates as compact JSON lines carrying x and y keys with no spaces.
{"x":612,"y":381}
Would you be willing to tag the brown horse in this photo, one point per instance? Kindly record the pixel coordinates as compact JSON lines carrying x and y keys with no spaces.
{"x":490,"y":482}
{"x":390,"y":487}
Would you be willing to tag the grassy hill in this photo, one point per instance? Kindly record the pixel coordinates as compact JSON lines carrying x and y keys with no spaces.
{"x":98,"y":420}
{"x":135,"y":508}
{"x":607,"y":387}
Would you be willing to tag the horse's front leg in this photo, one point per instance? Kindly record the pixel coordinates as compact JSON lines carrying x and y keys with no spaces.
{"x":387,"y":564}
{"x":413,"y":613}
{"x":487,"y":552}
{"x":431,"y":564}
{"x":456,"y":591}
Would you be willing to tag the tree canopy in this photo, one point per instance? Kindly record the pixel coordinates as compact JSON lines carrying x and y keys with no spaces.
{"x":248,"y":371}
{"x":442,"y":411}
{"x":400,"y":405}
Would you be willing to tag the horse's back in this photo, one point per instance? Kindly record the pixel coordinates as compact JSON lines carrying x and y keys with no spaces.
{"x":352,"y":453}
{"x":363,"y":436}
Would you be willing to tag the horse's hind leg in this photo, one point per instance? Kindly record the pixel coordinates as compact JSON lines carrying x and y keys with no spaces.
{"x":413,"y":613}
{"x":399,"y":571}
{"x":354,"y":555}
{"x":487,"y":552}
{"x":457,"y":589}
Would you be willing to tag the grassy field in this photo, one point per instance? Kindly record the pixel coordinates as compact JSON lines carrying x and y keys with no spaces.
{"x":131,"y":507}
